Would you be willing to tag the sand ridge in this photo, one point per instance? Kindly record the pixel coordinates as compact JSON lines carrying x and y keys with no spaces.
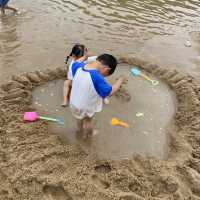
{"x":35,"y":164}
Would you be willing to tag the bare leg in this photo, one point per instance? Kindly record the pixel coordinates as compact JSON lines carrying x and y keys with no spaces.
{"x":66,"y":92}
{"x":11,"y":8}
{"x":87,"y":127}
{"x":2,"y":11}
{"x":79,"y":132}
{"x":80,"y":125}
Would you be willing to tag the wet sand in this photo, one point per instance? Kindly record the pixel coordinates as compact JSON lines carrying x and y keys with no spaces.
{"x":171,"y":52}
{"x":35,"y":164}
{"x":147,"y":135}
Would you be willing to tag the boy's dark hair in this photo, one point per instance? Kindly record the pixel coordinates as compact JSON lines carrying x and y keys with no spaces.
{"x":108,"y":60}
{"x":78,"y":50}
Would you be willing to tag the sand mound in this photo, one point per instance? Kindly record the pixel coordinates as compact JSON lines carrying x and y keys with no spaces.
{"x":35,"y":164}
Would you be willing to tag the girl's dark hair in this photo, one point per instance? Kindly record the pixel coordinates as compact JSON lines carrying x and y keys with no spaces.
{"x":78,"y":50}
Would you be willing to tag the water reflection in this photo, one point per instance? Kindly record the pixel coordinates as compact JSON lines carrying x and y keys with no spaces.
{"x":156,"y":16}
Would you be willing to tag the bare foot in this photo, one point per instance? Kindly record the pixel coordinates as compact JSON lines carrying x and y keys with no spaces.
{"x":64,"y":104}
{"x":93,"y":133}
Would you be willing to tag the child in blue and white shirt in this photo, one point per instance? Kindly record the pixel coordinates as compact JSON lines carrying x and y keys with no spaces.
{"x":89,"y":88}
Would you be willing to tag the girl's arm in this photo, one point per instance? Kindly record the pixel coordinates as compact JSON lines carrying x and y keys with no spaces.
{"x":82,"y":59}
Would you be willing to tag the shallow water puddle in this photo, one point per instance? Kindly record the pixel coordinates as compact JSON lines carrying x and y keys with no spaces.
{"x":148,"y":113}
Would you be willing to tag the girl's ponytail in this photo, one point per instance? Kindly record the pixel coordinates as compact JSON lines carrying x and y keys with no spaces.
{"x":68,"y":57}
{"x":78,"y":50}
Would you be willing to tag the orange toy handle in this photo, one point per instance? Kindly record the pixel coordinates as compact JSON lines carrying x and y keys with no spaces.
{"x":124,"y":124}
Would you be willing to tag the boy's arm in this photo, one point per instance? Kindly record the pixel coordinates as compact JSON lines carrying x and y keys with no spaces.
{"x":103,"y":88}
{"x":82,"y":59}
{"x":86,"y":56}
{"x":91,"y":59}
{"x":118,"y":84}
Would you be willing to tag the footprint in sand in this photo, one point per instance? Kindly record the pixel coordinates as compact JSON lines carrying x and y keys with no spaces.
{"x":99,"y":182}
{"x":103,"y":168}
{"x":55,"y":193}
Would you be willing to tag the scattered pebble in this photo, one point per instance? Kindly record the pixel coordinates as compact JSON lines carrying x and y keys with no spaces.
{"x":42,"y":90}
{"x":155,"y":91}
{"x":52,"y":94}
{"x":146,"y":133}
{"x":188,"y":43}
{"x":57,"y":110}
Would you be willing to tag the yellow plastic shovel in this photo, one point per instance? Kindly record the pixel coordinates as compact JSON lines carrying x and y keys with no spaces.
{"x":117,"y":122}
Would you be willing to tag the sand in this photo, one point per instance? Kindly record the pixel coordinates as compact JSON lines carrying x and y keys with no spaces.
{"x":35,"y":164}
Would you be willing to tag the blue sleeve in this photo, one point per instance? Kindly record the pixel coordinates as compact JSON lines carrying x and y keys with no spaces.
{"x":76,"y":66}
{"x":102,"y":87}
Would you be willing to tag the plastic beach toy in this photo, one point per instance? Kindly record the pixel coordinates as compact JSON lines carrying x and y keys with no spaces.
{"x":117,"y":122}
{"x":139,"y":114}
{"x":137,"y":72}
{"x":33,"y":116}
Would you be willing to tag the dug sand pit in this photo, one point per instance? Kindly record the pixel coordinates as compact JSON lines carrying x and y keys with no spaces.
{"x":36,"y":164}
{"x":147,"y":133}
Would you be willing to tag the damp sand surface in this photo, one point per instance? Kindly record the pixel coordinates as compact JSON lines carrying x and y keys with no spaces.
{"x":148,"y":133}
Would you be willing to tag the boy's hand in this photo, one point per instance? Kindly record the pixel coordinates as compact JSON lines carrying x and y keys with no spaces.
{"x":117,"y":85}
{"x":88,"y":53}
{"x":123,"y":79}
